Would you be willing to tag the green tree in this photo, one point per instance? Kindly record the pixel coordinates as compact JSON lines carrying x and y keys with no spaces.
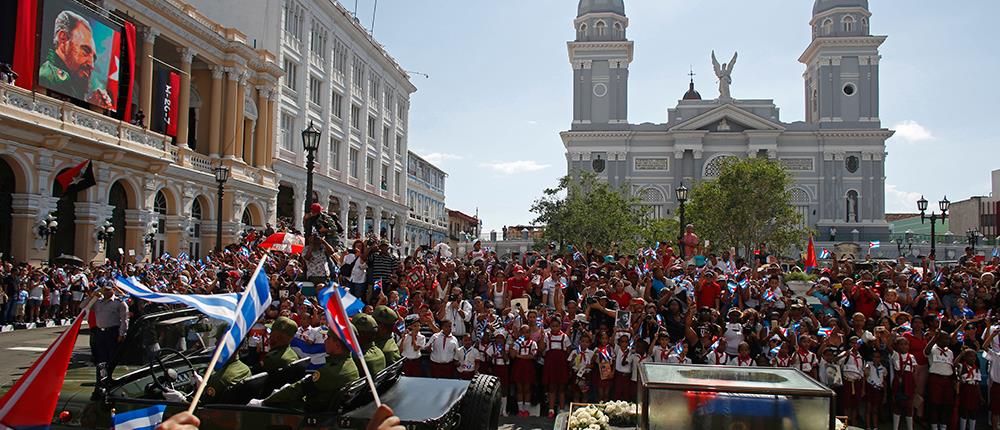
{"x":587,"y":209}
{"x":746,"y":207}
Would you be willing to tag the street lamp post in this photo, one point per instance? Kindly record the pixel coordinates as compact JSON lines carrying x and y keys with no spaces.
{"x":310,"y":142}
{"x":105,"y":232}
{"x":934,"y":217}
{"x":47,"y":227}
{"x":682,"y":195}
{"x":221,"y":176}
{"x":973,"y":236}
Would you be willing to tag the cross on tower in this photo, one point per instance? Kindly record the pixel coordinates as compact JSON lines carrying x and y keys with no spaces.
{"x":691,"y":74}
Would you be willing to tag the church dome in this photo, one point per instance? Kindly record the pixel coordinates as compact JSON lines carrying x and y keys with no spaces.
{"x":824,"y":5}
{"x":601,"y":6}
{"x":691,"y":94}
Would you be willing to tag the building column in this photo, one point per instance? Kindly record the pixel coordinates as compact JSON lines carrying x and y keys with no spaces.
{"x":240,"y":141}
{"x":260,"y":132}
{"x":215,"y":121}
{"x":228,"y":149}
{"x":345,"y":213}
{"x":272,"y":125}
{"x":146,"y":74}
{"x":378,"y":221}
{"x":362,"y":216}
{"x":184,"y":102}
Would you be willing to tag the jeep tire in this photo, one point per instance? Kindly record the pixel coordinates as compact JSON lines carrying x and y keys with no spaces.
{"x":480,"y":408}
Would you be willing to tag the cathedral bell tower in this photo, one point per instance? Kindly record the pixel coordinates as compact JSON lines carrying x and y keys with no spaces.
{"x":600,"y":57}
{"x":841,"y":77}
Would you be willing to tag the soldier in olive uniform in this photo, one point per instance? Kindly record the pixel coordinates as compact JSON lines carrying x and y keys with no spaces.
{"x":366,"y":328}
{"x":386,"y":319}
{"x":218,"y":384}
{"x":315,"y":392}
{"x":281,"y":354}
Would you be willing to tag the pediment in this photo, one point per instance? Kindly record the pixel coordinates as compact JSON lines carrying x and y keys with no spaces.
{"x":728,"y":118}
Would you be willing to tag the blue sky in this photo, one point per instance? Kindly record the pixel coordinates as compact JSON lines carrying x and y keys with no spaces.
{"x":499,"y":90}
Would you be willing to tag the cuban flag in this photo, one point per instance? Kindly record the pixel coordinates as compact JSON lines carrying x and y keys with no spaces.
{"x":139,"y":419}
{"x":769,"y":295}
{"x":577,"y":256}
{"x":351,"y":304}
{"x":337,"y":320}
{"x":824,"y":331}
{"x":732,"y":286}
{"x":905,"y":328}
{"x":315,"y":351}
{"x":253,"y":302}
{"x":874,"y":244}
{"x":377,"y":286}
{"x":844,"y":301}
{"x":219,"y":306}
{"x":824,"y":254}
{"x":916,"y":278}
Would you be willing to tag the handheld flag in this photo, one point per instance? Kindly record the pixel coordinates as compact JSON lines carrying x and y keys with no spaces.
{"x":377,"y":286}
{"x":31,"y":402}
{"x":351,"y":304}
{"x":284,"y":242}
{"x":218,"y":306}
{"x":139,"y":419}
{"x":844,"y":301}
{"x":874,"y":244}
{"x":824,"y":254}
{"x":810,"y":262}
{"x":253,"y":302}
{"x":824,"y":331}
{"x":769,"y":295}
{"x":336,"y":319}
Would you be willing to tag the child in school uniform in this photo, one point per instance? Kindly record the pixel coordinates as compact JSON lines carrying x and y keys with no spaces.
{"x":639,"y":356}
{"x":969,"y":377}
{"x":524,"y":352}
{"x":661,"y":350}
{"x":718,"y":356}
{"x":499,"y":360}
{"x":555,"y":373}
{"x":678,"y":354}
{"x":604,"y":371}
{"x":742,"y":358}
{"x":784,"y":356}
{"x":582,"y":362}
{"x":468,"y":358}
{"x":623,"y":370}
{"x":875,"y":378}
{"x":903,"y":384}
{"x":852,"y":371}
{"x":410,"y":346}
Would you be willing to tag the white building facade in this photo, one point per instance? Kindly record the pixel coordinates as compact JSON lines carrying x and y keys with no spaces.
{"x":339,"y":78}
{"x":836,"y":157}
{"x":427,"y":219}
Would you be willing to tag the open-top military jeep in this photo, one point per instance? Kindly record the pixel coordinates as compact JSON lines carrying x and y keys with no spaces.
{"x":165,"y":350}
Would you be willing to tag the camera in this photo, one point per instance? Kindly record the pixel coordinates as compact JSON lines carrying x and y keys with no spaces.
{"x":452,"y":297}
{"x":591,"y":300}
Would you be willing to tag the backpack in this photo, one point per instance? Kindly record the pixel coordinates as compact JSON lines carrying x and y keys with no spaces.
{"x":347,"y":269}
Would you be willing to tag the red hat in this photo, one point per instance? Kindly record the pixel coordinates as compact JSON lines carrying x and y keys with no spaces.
{"x":316,"y":208}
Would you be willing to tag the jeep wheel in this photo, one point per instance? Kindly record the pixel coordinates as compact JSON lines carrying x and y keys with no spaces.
{"x":480,"y":409}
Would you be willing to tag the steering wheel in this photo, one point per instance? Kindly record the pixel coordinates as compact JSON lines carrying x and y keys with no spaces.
{"x":167,"y":376}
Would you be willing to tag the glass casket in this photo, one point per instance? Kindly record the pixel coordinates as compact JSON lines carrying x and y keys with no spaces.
{"x":674,"y":397}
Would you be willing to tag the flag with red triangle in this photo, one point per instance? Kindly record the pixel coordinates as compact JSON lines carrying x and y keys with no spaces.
{"x":810,"y":262}
{"x":78,"y":178}
{"x":31,"y":402}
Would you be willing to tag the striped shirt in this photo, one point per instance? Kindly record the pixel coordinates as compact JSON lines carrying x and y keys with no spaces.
{"x":381,"y":266}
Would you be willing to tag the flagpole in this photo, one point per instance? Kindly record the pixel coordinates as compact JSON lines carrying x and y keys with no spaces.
{"x":218,"y":347}
{"x":371,"y":382}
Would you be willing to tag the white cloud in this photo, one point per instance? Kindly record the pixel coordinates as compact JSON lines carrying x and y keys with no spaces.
{"x":912,"y":132}
{"x":899,"y":201}
{"x":532,"y":122}
{"x":440,"y":157}
{"x":515,"y":167}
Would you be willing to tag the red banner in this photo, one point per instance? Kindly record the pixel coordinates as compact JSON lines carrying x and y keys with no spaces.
{"x":165,"y":102}
{"x":130,"y":67}
{"x":24,"y":43}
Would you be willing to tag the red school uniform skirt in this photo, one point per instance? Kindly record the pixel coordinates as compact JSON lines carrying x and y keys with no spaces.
{"x":524,"y":371}
{"x":874,"y":396}
{"x":968,"y":399}
{"x":555,"y":371}
{"x":852,"y":393}
{"x":412,"y":367}
{"x":502,"y":372}
{"x":902,"y":390}
{"x":940,"y":389}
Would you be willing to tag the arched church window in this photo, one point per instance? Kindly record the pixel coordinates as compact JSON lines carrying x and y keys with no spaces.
{"x":827,"y":26}
{"x":601,"y":27}
{"x":583,"y":29}
{"x":848,"y":24}
{"x":654,"y":199}
{"x":713,"y":168}
{"x":619,"y":31}
{"x":852,"y":206}
{"x":864,"y":25}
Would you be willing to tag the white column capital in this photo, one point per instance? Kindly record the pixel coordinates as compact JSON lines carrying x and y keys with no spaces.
{"x":187,"y":54}
{"x":217,"y":71}
{"x":149,"y":36}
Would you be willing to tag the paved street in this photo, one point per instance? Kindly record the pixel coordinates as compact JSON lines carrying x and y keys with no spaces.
{"x":20,"y":348}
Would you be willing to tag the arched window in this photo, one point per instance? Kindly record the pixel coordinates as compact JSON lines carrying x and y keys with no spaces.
{"x":852,"y":206}
{"x":160,"y":237}
{"x":848,"y":24}
{"x":196,"y":216}
{"x":601,"y":27}
{"x":653,"y":198}
{"x":247,"y":218}
{"x":583,"y":30}
{"x":827,"y":26}
{"x":713,"y":168}
{"x":800,"y":201}
{"x":864,"y":25}
{"x":619,"y":30}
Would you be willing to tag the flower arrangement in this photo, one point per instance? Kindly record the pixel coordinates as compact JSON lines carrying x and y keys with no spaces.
{"x":588,"y":418}
{"x":620,"y":414}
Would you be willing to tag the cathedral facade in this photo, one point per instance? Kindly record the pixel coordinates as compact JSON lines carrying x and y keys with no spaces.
{"x":836,"y":156}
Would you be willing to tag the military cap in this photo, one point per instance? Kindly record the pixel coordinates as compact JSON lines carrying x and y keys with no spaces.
{"x":364,"y":323}
{"x":385,"y":315}
{"x":284,"y":325}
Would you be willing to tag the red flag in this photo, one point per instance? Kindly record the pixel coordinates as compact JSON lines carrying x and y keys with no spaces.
{"x":78,"y":178}
{"x":25,"y":42}
{"x":31,"y":402}
{"x":114,"y":72}
{"x":336,"y":318}
{"x":130,"y":67}
{"x":284,"y":242}
{"x":810,"y":255}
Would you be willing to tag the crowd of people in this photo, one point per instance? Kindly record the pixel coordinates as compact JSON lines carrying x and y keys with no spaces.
{"x":899,"y":340}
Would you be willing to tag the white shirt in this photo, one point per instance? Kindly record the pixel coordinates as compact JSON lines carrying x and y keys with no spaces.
{"x":497,"y":354}
{"x":525,"y":347}
{"x":903,"y":362}
{"x":558,"y":342}
{"x":637,"y":360}
{"x":357,"y":274}
{"x":852,"y":366}
{"x":623,"y":361}
{"x":994,"y":359}
{"x":406,"y":348}
{"x":941,"y":360}
{"x":660,"y":354}
{"x":457,"y":321}
{"x":876,"y":374}
{"x":970,"y":375}
{"x":467,"y":358}
{"x":443,"y":348}
{"x":805,"y":362}
{"x":739,"y":362}
{"x":734,"y":336}
{"x":581,"y":361}
{"x":717,"y":358}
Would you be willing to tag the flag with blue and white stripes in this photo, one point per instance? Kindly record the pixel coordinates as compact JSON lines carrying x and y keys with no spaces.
{"x":139,"y":419}
{"x":219,"y":306}
{"x":352,"y":305}
{"x":253,"y":302}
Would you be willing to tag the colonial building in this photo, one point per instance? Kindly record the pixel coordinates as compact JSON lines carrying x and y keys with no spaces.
{"x":462,"y":227}
{"x":836,"y":156}
{"x":427,"y":220}
{"x":342,"y":80}
{"x":157,"y":191}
